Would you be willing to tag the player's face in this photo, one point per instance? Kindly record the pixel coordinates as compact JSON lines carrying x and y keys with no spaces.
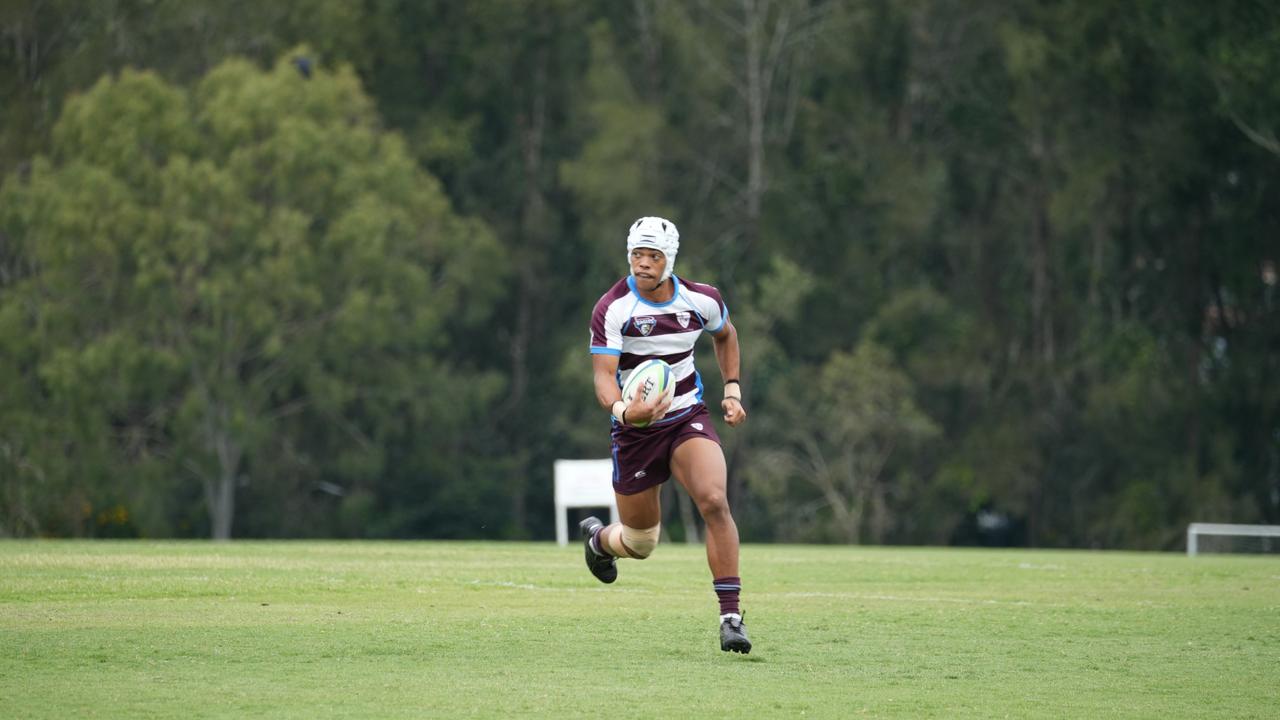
{"x":647,"y":265}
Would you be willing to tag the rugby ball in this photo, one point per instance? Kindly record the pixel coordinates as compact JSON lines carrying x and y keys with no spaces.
{"x":649,"y":377}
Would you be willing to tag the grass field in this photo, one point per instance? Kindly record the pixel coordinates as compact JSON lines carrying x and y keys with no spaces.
{"x":383,"y":630}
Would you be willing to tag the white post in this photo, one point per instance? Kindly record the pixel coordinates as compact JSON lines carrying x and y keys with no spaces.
{"x":562,"y":526}
{"x":582,"y":483}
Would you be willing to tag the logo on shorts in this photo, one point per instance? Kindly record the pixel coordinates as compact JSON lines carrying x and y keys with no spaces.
{"x":682,"y":317}
{"x":645,"y":324}
{"x":641,"y":474}
{"x":696,"y":426}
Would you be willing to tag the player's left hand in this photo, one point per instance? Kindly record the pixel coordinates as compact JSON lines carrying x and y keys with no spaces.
{"x":734,"y":412}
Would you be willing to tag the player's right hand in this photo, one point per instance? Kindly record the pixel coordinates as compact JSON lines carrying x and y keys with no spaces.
{"x":647,"y":411}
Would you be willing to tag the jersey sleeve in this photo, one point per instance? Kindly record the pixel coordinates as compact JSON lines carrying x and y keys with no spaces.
{"x":606,"y":329}
{"x":712,"y":308}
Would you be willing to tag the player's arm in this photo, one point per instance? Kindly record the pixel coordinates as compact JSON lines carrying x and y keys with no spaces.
{"x":605,"y":371}
{"x":606,"y":349}
{"x":727,"y":355}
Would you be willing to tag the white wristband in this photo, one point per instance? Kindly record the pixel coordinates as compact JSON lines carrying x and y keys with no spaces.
{"x":733,"y":390}
{"x":617,"y":411}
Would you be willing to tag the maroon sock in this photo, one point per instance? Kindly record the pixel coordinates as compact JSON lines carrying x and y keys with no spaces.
{"x":727,"y":589}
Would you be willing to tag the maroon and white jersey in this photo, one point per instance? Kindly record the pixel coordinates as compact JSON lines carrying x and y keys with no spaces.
{"x":634,"y":329}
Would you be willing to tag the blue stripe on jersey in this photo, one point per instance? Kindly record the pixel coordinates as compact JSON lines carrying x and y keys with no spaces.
{"x":724,"y":318}
{"x":671,"y":418}
{"x":697,"y":379}
{"x":605,"y":351}
{"x":666,"y":419}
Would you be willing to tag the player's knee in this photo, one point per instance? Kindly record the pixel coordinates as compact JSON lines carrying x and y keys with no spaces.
{"x":640,"y":543}
{"x":713,"y":506}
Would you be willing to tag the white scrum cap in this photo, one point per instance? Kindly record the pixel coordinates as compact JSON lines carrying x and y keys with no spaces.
{"x":657,"y":233}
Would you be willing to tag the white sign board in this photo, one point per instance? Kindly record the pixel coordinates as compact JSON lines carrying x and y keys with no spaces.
{"x":582,"y":483}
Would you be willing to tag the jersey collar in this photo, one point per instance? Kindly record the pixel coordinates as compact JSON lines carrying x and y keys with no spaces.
{"x":675,"y":292}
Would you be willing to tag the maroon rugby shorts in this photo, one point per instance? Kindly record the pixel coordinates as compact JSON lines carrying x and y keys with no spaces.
{"x":642,"y":456}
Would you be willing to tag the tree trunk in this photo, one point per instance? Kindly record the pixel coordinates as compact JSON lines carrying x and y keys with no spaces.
{"x":755,"y":119}
{"x":1041,"y":281}
{"x":533,"y":241}
{"x":220,"y":501}
{"x":847,"y":511}
{"x":221,"y":495}
{"x":220,"y":486}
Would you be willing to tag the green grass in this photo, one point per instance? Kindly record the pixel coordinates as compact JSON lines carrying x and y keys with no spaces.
{"x":381,"y":630}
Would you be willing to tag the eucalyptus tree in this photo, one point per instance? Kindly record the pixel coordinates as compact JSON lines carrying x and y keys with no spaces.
{"x":240,"y":275}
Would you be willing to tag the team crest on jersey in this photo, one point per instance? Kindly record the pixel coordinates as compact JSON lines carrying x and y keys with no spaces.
{"x":682,"y":317}
{"x":645,"y":324}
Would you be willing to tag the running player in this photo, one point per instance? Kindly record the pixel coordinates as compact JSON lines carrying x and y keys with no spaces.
{"x":652,"y":313}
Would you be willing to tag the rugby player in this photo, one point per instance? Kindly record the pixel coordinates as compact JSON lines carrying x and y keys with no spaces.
{"x":652,"y":313}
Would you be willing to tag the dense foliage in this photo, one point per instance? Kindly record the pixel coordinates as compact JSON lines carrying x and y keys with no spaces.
{"x":1002,"y":271}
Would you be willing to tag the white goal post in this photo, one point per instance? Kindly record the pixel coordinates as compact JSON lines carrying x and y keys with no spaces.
{"x":1195,"y":530}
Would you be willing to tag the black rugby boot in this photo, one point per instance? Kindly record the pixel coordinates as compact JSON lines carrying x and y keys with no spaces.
{"x":733,"y":634}
{"x":602,"y":566}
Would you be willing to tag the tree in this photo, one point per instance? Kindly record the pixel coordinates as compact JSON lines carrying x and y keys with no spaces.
{"x":838,"y":435}
{"x":1057,"y":218}
{"x":730,"y":118}
{"x":222,"y":267}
